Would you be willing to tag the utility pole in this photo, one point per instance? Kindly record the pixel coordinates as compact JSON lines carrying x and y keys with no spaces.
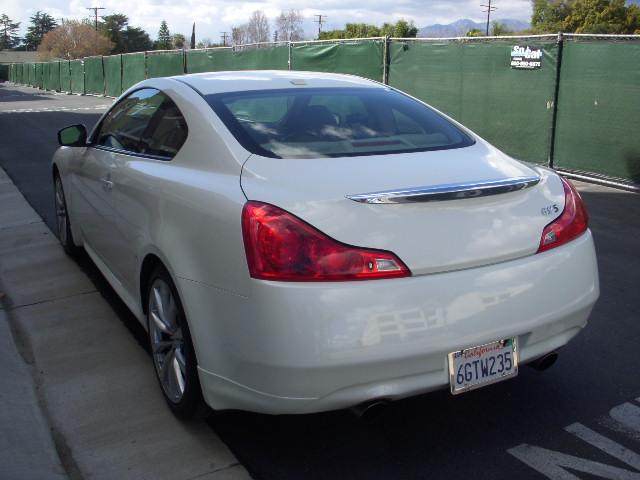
{"x":489,"y":9}
{"x":319,"y":21}
{"x":224,"y":38}
{"x":95,"y":13}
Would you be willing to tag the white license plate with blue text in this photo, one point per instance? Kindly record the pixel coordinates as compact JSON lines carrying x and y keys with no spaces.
{"x":483,"y":365}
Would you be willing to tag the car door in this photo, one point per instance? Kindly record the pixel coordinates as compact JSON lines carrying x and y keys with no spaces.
{"x":135,"y":196}
{"x":119,"y":134}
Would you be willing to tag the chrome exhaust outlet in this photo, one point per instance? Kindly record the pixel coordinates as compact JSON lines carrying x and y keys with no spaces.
{"x":371,"y":410}
{"x":545,"y":362}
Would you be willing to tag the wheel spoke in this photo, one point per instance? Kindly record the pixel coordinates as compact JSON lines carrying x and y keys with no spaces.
{"x":178,"y":376}
{"x":180,"y":359}
{"x":160,"y":325}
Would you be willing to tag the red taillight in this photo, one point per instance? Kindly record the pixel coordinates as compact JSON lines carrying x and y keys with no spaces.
{"x":280,"y":246}
{"x":571,"y":223}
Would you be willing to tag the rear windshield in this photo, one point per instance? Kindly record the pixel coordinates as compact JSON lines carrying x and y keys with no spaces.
{"x":333,"y":122}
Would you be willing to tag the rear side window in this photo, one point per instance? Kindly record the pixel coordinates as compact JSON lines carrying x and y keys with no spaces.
{"x":125,"y":124}
{"x":167,"y":133}
{"x":146,"y":122}
{"x":334,"y":122}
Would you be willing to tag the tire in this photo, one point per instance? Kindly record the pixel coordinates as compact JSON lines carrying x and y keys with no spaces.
{"x":65,"y":236}
{"x":171,"y":347}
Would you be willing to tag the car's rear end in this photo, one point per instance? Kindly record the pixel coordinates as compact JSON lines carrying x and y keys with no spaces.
{"x":384,"y":244}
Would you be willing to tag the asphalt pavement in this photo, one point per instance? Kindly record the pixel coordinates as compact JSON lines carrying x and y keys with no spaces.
{"x":524,"y":427}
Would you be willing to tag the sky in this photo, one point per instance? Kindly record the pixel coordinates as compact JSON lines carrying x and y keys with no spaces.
{"x":213,"y":16}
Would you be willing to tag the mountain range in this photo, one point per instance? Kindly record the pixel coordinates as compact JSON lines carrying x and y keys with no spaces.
{"x":462,"y":26}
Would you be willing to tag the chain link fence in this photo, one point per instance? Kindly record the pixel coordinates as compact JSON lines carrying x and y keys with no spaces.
{"x":568,"y":101}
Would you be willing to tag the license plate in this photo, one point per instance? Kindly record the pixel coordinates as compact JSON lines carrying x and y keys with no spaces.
{"x":479,"y":366}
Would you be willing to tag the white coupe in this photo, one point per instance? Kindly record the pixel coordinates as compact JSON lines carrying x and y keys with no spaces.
{"x":297,"y":242}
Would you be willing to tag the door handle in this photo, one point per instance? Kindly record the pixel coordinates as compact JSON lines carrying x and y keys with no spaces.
{"x":107,"y":184}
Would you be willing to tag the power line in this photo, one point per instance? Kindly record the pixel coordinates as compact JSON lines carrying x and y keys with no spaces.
{"x":95,"y":13}
{"x":224,"y":37}
{"x":489,"y":9}
{"x":320,"y":19}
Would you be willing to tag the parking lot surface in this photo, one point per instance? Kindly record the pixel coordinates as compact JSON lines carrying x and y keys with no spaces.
{"x":579,"y":419}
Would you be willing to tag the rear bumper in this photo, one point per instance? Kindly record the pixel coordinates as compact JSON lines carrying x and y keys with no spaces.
{"x":298,"y":348}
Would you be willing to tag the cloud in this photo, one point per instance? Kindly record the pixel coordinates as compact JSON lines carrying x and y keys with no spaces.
{"x":213,"y":16}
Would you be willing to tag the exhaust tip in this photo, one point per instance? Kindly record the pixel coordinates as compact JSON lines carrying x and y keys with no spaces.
{"x":370,"y":411}
{"x":545,"y":362}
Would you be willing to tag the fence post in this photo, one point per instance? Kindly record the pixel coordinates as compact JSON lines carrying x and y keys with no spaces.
{"x":289,"y":59}
{"x":554,"y":115}
{"x":385,"y":61}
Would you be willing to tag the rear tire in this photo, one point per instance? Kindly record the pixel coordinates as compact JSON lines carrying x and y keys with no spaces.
{"x":62,"y":218}
{"x":172,"y":350}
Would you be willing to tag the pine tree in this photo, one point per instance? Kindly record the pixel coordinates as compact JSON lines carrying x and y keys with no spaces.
{"x":8,"y":32}
{"x":41,"y":23}
{"x":164,"y":37}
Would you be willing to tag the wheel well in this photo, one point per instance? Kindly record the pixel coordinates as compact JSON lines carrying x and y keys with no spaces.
{"x":149,"y":264}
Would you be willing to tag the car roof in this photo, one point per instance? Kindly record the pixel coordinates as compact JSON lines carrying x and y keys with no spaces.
{"x":234,"y":81}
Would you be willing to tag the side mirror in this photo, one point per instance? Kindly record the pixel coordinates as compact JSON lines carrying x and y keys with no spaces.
{"x":73,"y":136}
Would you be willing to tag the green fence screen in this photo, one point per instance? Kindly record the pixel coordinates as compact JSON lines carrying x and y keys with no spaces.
{"x":93,"y":76}
{"x":598,"y":125}
{"x":77,"y":76}
{"x":133,"y":69}
{"x":54,"y":76}
{"x":32,"y":75}
{"x":27,"y":73}
{"x":165,"y":64}
{"x":112,"y":75}
{"x":4,"y":72}
{"x":219,"y":59}
{"x":65,"y":76}
{"x":45,"y":75}
{"x":474,"y":83}
{"x":38,"y":82}
{"x":365,"y":59}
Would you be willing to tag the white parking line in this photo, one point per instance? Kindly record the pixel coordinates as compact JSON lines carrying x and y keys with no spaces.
{"x":555,"y":465}
{"x":54,"y":109}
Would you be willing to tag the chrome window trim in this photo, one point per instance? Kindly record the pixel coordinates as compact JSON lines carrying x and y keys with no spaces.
{"x":130,"y":153}
{"x":452,"y":191}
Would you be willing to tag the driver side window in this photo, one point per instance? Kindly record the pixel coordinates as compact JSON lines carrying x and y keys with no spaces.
{"x":124,"y":125}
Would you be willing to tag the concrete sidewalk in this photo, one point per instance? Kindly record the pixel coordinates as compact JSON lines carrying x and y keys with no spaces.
{"x":79,"y":394}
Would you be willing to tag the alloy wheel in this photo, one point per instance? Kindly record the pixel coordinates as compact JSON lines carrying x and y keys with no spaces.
{"x":61,"y":212}
{"x":167,"y":342}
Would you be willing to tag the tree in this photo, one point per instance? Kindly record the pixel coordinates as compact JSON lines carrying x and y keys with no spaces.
{"x":240,"y":35}
{"x":289,"y":26}
{"x":400,"y":29}
{"x":113,"y":27}
{"x":41,"y":23}
{"x":73,"y":40}
{"x":8,"y":32}
{"x":164,"y":37}
{"x":596,"y":16}
{"x":498,"y":29}
{"x":136,"y":40}
{"x":585,"y":16}
{"x":258,"y":27}
{"x":404,"y":29}
{"x":179,"y":41}
{"x":548,"y":16}
{"x":193,"y":36}
{"x":474,"y":32}
{"x":207,"y":43}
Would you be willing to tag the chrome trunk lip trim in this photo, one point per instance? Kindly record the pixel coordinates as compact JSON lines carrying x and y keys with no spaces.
{"x":450,"y":191}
